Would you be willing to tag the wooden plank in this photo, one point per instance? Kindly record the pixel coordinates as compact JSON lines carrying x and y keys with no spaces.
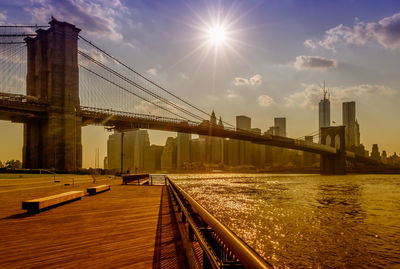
{"x":129,"y":227}
{"x":35,"y":205}
{"x":98,"y":189}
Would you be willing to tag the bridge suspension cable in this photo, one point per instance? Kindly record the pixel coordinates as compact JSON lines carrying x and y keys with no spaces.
{"x":314,"y":134}
{"x":191,"y":114}
{"x":100,"y":76}
{"x":137,"y":73}
{"x":139,"y":87}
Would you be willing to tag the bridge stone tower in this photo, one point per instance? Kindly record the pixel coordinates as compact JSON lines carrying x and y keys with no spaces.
{"x":54,"y":141}
{"x":333,"y":164}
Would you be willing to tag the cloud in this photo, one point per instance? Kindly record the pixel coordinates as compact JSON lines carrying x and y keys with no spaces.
{"x":385,"y":32}
{"x":265,"y":100}
{"x":310,"y":44}
{"x":94,"y":17}
{"x":3,"y":17}
{"x":314,"y":62}
{"x":254,"y":80}
{"x":241,"y":81}
{"x":182,"y":75}
{"x":231,"y":94}
{"x":156,"y":108}
{"x":152,"y":71}
{"x":312,"y":94}
{"x":93,"y":53}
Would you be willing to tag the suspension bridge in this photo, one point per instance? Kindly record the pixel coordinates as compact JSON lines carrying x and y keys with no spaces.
{"x":54,"y":81}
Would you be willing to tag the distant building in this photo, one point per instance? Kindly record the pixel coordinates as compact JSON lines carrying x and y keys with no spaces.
{"x":243,"y":123}
{"x":114,"y":151}
{"x":325,"y":111}
{"x":375,"y":153}
{"x":245,"y":154}
{"x":168,"y":156}
{"x":135,"y":143}
{"x":352,"y":130}
{"x":215,"y":145}
{"x":384,"y":157}
{"x":142,"y":144}
{"x":273,"y":130}
{"x":198,"y":150}
{"x":220,"y":123}
{"x":105,"y":163}
{"x":280,"y":123}
{"x":256,"y":131}
{"x":231,"y":152}
{"x":213,"y":119}
{"x":152,"y":158}
{"x":183,"y":149}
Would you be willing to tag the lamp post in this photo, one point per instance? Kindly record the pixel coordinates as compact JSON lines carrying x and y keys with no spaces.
{"x":74,"y":158}
{"x":122,"y":152}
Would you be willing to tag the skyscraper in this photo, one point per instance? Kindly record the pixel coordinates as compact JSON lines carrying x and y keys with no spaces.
{"x":375,"y":154}
{"x":215,"y":145}
{"x":352,"y":127}
{"x":114,"y":151}
{"x":183,"y":149}
{"x":325,"y":110}
{"x":168,"y":156}
{"x":142,"y":144}
{"x":280,"y":123}
{"x":243,"y":123}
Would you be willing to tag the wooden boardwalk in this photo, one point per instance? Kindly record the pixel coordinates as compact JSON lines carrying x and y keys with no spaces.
{"x":127,"y":227}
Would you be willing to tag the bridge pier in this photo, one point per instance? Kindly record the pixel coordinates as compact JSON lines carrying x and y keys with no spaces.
{"x":54,"y":141}
{"x":333,"y":164}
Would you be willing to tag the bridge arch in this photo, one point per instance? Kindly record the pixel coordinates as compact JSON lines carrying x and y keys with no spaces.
{"x":333,"y":163}
{"x":337,"y":141}
{"x":328,"y":140}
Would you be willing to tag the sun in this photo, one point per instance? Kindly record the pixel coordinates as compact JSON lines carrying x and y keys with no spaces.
{"x":217,"y":35}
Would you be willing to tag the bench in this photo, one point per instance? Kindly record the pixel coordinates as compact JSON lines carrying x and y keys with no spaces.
{"x":129,"y":178}
{"x":36,"y":205}
{"x":98,"y":189}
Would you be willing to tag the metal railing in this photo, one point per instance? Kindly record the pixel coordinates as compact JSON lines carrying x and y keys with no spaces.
{"x":221,"y":247}
{"x":54,"y":176}
{"x":49,"y":172}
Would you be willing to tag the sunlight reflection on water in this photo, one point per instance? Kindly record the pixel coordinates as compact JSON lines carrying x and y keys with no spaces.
{"x":311,"y":221}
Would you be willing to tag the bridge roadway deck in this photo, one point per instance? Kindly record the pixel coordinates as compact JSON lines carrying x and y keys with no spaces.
{"x":129,"y":226}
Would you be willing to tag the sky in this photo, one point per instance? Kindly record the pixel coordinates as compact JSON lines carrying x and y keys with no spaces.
{"x":272,"y":61}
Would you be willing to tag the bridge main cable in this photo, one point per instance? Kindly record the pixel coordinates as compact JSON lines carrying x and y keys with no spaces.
{"x":146,"y":79}
{"x":140,"y":87}
{"x":100,"y":76}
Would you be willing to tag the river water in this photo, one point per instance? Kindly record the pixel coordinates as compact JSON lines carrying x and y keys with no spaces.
{"x":307,"y":221}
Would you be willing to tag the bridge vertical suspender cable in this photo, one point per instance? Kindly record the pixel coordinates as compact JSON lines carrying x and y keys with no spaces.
{"x":148,"y":80}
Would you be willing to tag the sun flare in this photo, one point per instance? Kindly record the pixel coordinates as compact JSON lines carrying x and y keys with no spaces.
{"x":217,"y":35}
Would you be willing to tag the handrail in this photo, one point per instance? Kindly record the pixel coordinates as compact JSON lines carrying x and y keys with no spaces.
{"x":245,"y":254}
{"x":54,"y":174}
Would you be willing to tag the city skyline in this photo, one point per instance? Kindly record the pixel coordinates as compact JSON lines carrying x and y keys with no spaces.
{"x":257,"y":91}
